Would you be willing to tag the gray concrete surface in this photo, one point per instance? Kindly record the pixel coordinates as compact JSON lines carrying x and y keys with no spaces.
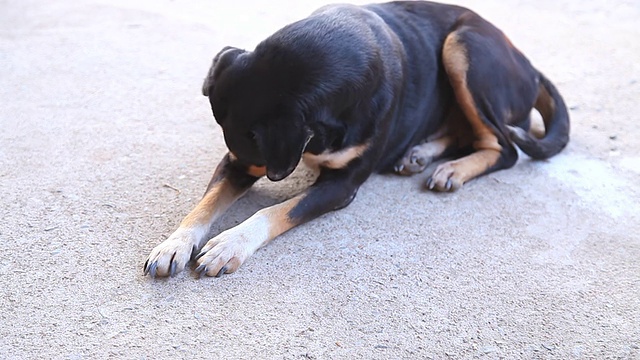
{"x":105,"y":143}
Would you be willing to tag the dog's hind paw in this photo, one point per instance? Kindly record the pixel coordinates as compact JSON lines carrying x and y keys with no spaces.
{"x":415,"y":161}
{"x":445,"y":178}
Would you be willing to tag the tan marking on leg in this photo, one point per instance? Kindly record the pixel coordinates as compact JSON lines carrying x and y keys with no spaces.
{"x":233,"y":247}
{"x":456,"y":64}
{"x":335,"y":160}
{"x":215,"y":202}
{"x":279,"y":216}
{"x":173,"y":254}
{"x":453,"y":174}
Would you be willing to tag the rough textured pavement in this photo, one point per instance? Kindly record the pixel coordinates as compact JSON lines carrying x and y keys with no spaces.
{"x":106,"y":142}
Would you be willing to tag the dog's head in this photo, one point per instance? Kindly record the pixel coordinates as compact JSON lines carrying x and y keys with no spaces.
{"x":254,"y":103}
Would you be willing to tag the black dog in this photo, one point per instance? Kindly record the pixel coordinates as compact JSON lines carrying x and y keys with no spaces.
{"x":356,"y":90}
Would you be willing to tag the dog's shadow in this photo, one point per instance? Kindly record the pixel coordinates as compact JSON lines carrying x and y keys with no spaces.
{"x":263,"y":194}
{"x":266,"y":193}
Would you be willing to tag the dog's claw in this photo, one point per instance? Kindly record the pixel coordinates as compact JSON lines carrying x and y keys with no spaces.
{"x":199,"y":255}
{"x":447,"y":185}
{"x":145,"y":268}
{"x":222,"y":271}
{"x":172,"y":271}
{"x":201,"y":270}
{"x":399,"y":168}
{"x":431,"y":183}
{"x":153,"y":268}
{"x":172,"y":265}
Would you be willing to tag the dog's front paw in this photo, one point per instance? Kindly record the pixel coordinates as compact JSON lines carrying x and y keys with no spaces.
{"x":226,"y":252}
{"x":172,"y":255}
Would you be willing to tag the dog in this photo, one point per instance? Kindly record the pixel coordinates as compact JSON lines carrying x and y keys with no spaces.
{"x":355,"y":90}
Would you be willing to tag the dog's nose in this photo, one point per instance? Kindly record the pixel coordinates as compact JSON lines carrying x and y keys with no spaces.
{"x":274,"y":176}
{"x":278,"y":175}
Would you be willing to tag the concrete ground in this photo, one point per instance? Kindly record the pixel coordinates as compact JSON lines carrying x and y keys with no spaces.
{"x":106,"y":143}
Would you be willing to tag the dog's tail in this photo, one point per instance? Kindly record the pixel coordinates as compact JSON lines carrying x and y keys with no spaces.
{"x":556,"y":122}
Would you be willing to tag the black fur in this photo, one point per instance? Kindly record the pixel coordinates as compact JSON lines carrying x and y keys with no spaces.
{"x":352,"y":89}
{"x":349,"y":75}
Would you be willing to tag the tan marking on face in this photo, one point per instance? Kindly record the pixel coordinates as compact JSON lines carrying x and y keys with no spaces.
{"x":257,"y":171}
{"x":454,"y":56}
{"x":335,"y":160}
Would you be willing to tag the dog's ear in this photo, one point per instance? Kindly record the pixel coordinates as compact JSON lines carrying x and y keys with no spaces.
{"x":283,"y":148}
{"x":221,"y":61}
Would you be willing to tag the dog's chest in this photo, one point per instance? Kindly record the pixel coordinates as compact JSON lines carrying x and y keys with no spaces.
{"x":334,"y":159}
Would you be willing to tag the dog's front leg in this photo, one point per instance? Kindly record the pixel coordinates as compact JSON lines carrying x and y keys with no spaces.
{"x":226,"y":252}
{"x":229,"y":182}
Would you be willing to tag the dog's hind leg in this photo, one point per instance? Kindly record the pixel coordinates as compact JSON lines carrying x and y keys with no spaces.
{"x":494,"y":85}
